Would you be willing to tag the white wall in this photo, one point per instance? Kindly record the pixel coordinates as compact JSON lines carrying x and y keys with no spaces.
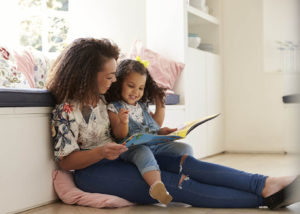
{"x":281,"y":23}
{"x":120,"y":20}
{"x":254,"y":111}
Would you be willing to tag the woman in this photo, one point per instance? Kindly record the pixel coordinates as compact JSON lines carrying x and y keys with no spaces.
{"x":82,"y":142}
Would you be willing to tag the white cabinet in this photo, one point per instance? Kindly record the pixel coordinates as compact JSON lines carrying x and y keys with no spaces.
{"x":26,"y":158}
{"x":214,"y":103}
{"x":204,"y":97}
{"x":196,"y":92}
{"x":168,"y":23}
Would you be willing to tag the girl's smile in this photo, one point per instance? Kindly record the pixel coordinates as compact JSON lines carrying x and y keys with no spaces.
{"x":133,"y":87}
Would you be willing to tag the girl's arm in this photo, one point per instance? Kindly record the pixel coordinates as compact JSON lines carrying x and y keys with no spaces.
{"x":119,"y":123}
{"x":83,"y":159}
{"x":159,"y":114}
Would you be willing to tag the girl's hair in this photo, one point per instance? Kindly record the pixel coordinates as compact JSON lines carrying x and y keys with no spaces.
{"x":151,"y":89}
{"x":73,"y":76}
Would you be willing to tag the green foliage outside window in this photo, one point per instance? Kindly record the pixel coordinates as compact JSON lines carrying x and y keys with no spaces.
{"x":31,"y":32}
{"x":57,"y":34}
{"x":55,"y":26}
{"x":62,"y":5}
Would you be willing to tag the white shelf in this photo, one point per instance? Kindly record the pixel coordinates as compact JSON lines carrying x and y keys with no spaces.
{"x":197,"y":17}
{"x":192,"y":50}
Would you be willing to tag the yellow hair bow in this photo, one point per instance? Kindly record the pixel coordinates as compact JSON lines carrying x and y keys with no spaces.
{"x":144,"y":62}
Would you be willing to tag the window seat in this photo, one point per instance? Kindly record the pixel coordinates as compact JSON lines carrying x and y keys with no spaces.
{"x":27,"y":153}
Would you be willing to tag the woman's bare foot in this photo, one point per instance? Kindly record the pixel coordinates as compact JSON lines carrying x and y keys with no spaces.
{"x":275,"y":184}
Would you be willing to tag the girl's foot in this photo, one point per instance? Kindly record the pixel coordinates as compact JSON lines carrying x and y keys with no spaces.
{"x":159,"y":192}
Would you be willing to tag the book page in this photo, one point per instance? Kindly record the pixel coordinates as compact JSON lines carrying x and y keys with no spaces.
{"x":189,"y":126}
{"x":183,"y":128}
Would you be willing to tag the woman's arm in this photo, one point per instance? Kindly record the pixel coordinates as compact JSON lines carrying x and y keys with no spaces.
{"x":159,"y":114}
{"x":82,"y":159}
{"x":119,"y":123}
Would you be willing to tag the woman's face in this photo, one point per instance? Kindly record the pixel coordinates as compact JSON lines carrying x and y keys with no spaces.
{"x":133,"y":87}
{"x":107,"y":76}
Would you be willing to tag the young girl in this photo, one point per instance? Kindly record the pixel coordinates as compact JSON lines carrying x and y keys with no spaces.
{"x":128,"y":114}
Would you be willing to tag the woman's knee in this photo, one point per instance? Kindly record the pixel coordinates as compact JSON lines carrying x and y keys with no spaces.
{"x":188,"y":149}
{"x":185,"y":149}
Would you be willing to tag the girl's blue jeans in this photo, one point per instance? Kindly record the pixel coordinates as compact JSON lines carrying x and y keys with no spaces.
{"x":205,"y":184}
{"x":143,"y":156}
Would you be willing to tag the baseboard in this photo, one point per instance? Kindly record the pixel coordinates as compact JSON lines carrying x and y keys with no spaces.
{"x":250,"y":152}
{"x":253,"y":152}
{"x":33,"y":207}
{"x":212,"y":155}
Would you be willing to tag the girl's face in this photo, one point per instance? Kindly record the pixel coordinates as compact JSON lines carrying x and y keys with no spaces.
{"x":133,"y":87}
{"x":107,"y":76}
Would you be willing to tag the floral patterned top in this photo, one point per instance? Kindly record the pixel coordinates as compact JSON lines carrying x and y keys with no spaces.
{"x":71,"y":131}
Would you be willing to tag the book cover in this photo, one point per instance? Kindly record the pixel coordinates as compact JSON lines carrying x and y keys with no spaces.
{"x":181,"y":132}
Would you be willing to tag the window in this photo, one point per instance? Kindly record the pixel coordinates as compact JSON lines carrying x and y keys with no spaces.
{"x":44,"y":24}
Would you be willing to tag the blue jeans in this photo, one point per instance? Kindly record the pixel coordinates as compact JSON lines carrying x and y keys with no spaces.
{"x":143,"y":156}
{"x":208,"y":185}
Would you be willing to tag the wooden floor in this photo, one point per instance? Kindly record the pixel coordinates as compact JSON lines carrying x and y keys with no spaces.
{"x":268,"y":164}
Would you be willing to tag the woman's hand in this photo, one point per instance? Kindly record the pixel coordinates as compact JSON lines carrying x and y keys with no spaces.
{"x":85,"y":158}
{"x":123,"y":115}
{"x":166,"y":131}
{"x":112,"y":151}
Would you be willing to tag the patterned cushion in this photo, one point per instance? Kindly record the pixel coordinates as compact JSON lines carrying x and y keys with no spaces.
{"x":10,"y":77}
{"x":41,"y":67}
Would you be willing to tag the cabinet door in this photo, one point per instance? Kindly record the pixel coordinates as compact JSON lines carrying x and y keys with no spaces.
{"x":214,"y":104}
{"x":196,"y":104}
{"x":175,"y":118}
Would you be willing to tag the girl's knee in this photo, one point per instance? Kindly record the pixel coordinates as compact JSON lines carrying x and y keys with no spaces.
{"x":139,"y":149}
{"x":142,"y":153}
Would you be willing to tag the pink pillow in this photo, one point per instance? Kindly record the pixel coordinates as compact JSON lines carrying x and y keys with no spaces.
{"x":70,"y":194}
{"x":164,"y":71}
{"x":33,"y":64}
{"x":25,"y":64}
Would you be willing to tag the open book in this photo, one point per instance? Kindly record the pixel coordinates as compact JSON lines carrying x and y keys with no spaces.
{"x":182,"y":132}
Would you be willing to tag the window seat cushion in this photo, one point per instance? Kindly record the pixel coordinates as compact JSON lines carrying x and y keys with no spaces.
{"x":11,"y":97}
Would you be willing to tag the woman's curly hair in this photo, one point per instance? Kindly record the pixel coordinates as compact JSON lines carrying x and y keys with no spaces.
{"x":73,"y":76}
{"x":151,"y":89}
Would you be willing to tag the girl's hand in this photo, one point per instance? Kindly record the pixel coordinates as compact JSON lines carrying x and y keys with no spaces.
{"x":112,"y":151}
{"x":166,"y":131}
{"x":123,"y":115}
